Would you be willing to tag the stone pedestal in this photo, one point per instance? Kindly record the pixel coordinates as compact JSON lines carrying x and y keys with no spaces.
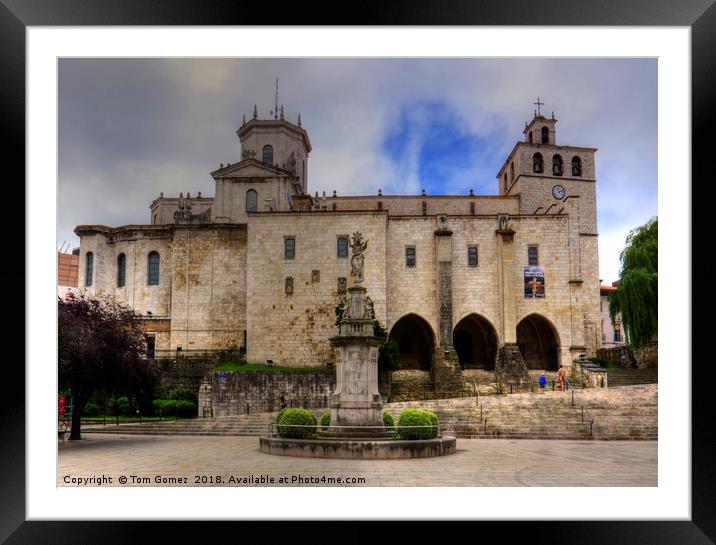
{"x":356,"y":400}
{"x":510,"y":369}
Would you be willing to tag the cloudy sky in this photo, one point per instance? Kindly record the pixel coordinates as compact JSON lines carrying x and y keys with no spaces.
{"x":132,"y":128}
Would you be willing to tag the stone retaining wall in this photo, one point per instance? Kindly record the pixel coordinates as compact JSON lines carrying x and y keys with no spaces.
{"x":230,"y":393}
{"x":644,"y":357}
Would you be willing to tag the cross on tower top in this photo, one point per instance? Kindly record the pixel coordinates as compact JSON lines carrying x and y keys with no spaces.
{"x":538,"y":104}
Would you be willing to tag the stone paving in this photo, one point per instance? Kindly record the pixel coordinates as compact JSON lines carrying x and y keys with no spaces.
{"x":478,"y":462}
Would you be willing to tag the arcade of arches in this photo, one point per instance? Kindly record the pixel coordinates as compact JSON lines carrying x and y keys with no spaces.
{"x":538,"y":343}
{"x":475,"y":342}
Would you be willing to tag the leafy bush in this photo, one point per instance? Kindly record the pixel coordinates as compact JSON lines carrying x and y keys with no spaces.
{"x":184,"y":408}
{"x":125,"y":406}
{"x":388,"y":420}
{"x":417,"y":417}
{"x":280,"y":415}
{"x":165,"y":407}
{"x":296,"y":417}
{"x":183,"y":394}
{"x":91,"y":409}
{"x":326,"y":419}
{"x":599,"y":361}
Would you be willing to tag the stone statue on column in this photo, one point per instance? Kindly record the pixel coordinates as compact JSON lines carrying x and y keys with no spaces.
{"x":358,"y":246}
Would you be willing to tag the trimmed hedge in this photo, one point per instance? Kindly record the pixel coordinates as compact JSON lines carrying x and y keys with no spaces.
{"x":280,"y":415}
{"x":388,"y":420}
{"x":326,"y":419}
{"x":174,"y":407}
{"x":417,"y":417}
{"x":295,"y":417}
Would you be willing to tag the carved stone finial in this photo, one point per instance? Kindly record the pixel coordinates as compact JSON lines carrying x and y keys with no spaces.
{"x":243,"y":121}
{"x":281,"y":111}
{"x":472,"y":193}
{"x":161,"y":194}
{"x":380,"y":192}
{"x":334,"y":193}
{"x":256,"y":112}
{"x":221,"y":165}
{"x":299,"y":119}
{"x":423,"y":193}
{"x":198,"y":196}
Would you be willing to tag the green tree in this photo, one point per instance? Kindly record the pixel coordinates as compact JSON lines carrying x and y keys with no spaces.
{"x":637,"y":297}
{"x":100,"y":347}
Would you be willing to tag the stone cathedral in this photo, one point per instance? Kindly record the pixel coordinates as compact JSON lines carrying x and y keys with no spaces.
{"x":260,"y":266}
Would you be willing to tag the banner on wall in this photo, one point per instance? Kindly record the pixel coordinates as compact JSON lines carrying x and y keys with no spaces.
{"x":534,"y":282}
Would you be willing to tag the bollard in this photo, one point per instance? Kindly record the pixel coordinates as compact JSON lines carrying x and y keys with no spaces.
{"x":247,"y":408}
{"x":118,"y":419}
{"x":572,"y":398}
{"x":510,"y":388}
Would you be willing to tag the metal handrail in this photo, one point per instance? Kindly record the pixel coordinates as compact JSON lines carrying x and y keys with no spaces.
{"x":581,"y":403}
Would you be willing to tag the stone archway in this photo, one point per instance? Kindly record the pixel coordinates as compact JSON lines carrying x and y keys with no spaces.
{"x":475,"y":342}
{"x":416,"y":342}
{"x":538,"y":342}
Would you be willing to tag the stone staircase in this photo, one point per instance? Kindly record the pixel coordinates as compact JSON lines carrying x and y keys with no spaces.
{"x":628,"y":412}
{"x":629,"y":377}
{"x":618,"y":413}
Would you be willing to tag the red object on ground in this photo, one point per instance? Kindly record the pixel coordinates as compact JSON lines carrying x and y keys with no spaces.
{"x":61,"y":406}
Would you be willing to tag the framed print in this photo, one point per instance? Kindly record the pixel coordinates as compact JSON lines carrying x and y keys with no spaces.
{"x":116,"y":107}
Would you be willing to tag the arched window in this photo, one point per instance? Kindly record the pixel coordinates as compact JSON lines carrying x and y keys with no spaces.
{"x":557,"y":165}
{"x":251,"y":200}
{"x":505,"y":180}
{"x":267,"y":156}
{"x":545,"y":135}
{"x":121,"y":270}
{"x":530,"y":137}
{"x":153,"y":269}
{"x":576,"y":166}
{"x":512,"y":172}
{"x":89,"y":268}
{"x":537,"y":163}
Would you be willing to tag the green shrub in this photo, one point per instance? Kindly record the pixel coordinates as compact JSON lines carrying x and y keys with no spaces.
{"x":326,"y":419}
{"x":417,"y":417}
{"x":165,"y":407}
{"x":91,"y":409}
{"x":183,"y":394}
{"x":125,"y":406}
{"x":388,"y":420}
{"x":599,"y":361}
{"x":184,"y":408}
{"x":280,"y":415}
{"x":296,"y":417}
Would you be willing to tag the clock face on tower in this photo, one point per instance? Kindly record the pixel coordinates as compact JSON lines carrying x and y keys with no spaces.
{"x":558,"y":192}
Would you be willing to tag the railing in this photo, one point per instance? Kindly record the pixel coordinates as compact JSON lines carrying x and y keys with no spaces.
{"x":590,"y":420}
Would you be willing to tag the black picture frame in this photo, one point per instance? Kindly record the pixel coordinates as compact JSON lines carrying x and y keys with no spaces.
{"x":699,"y":15}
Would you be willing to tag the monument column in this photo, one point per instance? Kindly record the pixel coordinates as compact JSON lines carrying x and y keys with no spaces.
{"x":510,"y":368}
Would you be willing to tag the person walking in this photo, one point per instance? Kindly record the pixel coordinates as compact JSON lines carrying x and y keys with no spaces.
{"x":560,"y":378}
{"x":284,"y":400}
{"x":543,"y":382}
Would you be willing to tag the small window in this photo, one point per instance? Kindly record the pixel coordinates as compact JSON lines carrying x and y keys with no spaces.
{"x":380,"y":205}
{"x":89,"y":269}
{"x":150,"y":346}
{"x":512,"y":172}
{"x":530,"y":137}
{"x":557,"y":165}
{"x":505,"y":182}
{"x":410,"y":256}
{"x":545,"y":135}
{"x":576,"y":166}
{"x":472,"y":256}
{"x":251,"y":200}
{"x":121,"y":270}
{"x":315,"y":276}
{"x":537,"y":163}
{"x":153,"y":269}
{"x":472,"y":208}
{"x":289,"y":248}
{"x":617,"y":336}
{"x":342,"y":284}
{"x":342,"y":246}
{"x":288,"y":285}
{"x":425,"y":208}
{"x":532,"y":256}
{"x":267,"y":155}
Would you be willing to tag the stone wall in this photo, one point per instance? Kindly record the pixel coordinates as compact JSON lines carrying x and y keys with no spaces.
{"x":644,"y":357}
{"x":229,"y":393}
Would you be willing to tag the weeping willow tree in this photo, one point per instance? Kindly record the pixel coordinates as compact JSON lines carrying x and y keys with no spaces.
{"x":637,"y":297}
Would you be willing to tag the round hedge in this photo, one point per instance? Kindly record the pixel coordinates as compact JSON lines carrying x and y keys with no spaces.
{"x":417,"y":417}
{"x":326,"y":419}
{"x":280,"y":415}
{"x":388,"y":420}
{"x":295,"y":417}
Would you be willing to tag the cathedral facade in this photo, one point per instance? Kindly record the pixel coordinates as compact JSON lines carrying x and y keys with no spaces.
{"x":263,"y":263}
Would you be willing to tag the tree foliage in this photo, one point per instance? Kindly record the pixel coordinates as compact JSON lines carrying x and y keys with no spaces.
{"x":100,"y":347}
{"x":637,"y":297}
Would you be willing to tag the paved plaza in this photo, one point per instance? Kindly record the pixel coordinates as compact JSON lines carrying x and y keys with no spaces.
{"x":156,"y":460}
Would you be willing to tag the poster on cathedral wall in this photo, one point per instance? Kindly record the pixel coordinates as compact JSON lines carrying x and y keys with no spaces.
{"x":534,"y":282}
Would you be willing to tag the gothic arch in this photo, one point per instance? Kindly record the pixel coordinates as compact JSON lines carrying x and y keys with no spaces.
{"x":537,"y":163}
{"x":545,"y":135}
{"x":475,"y":340}
{"x":416,"y":342}
{"x":538,"y":339}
